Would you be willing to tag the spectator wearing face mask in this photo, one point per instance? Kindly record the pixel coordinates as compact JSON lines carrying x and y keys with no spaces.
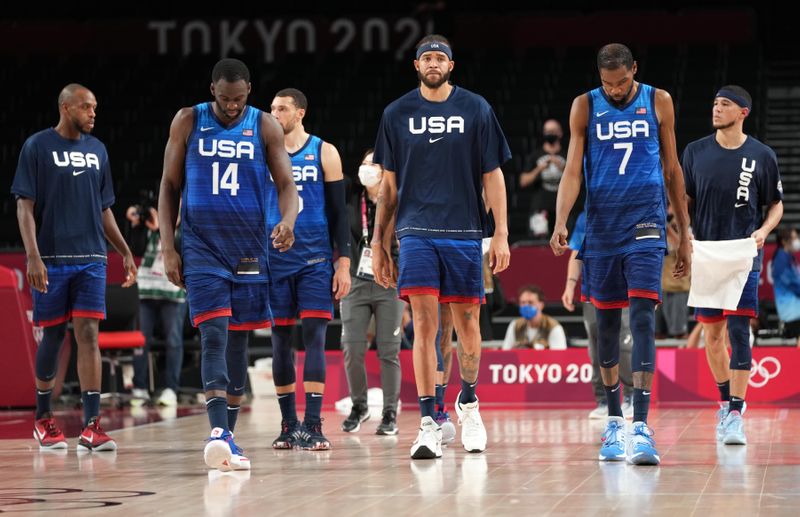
{"x":786,"y":282}
{"x":534,"y":329}
{"x":368,"y":300}
{"x":545,"y":177}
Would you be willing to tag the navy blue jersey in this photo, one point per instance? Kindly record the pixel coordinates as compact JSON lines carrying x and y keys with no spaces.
{"x":70,"y":184}
{"x":312,"y":242}
{"x":224,"y":198}
{"x":439,"y":151}
{"x":625,"y":199}
{"x":729,"y":188}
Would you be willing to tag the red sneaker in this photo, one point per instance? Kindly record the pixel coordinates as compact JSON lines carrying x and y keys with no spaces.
{"x":47,"y":433}
{"x":93,"y":438}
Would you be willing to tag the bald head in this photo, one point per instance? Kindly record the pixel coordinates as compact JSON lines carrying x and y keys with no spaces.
{"x":70,"y":91}
{"x":76,"y":107}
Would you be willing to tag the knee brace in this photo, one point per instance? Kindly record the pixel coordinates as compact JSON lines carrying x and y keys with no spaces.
{"x":608,"y":325}
{"x":643,"y":328}
{"x":282,"y":356}
{"x":236,"y":358}
{"x":739,"y":333}
{"x":213,"y":341}
{"x":47,"y":353}
{"x":314,"y":343}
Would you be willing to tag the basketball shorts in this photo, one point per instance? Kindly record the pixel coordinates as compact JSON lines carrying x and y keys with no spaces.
{"x":609,"y":282}
{"x":450,"y":269}
{"x":73,"y":291}
{"x":211,"y":296}
{"x":306,"y":293}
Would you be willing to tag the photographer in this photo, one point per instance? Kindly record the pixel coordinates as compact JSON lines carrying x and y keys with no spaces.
{"x":158,"y":298}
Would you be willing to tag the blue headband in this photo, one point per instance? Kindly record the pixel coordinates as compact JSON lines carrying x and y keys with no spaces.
{"x":741,"y":101}
{"x":437,"y":46}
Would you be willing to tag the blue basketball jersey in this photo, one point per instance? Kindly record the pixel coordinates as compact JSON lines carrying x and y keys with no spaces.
{"x":625,"y":199}
{"x":312,"y":237}
{"x":439,"y":152}
{"x":224,"y":198}
{"x":70,"y":184}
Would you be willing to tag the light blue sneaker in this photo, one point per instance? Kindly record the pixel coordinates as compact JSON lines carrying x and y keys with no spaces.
{"x":613,"y":448}
{"x":733,"y":429}
{"x":641,"y":446}
{"x":721,"y":414}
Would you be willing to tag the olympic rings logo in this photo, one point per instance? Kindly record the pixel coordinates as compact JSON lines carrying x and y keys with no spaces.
{"x":764,"y":370}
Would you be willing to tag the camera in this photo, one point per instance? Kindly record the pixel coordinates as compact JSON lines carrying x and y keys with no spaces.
{"x":147,"y":200}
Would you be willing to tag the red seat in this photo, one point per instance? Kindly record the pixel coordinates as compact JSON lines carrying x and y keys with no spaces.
{"x":113,"y":340}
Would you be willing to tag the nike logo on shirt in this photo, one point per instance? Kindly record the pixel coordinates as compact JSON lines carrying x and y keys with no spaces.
{"x":739,"y":205}
{"x":600,"y":113}
{"x":78,"y":173}
{"x":434,"y":140}
{"x":206,"y":128}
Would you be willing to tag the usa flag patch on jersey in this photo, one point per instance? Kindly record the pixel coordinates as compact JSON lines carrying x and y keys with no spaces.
{"x":641,"y":111}
{"x":247,"y":132}
{"x":309,"y":157}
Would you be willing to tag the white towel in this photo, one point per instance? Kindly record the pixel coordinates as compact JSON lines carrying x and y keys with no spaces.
{"x":719,"y":272}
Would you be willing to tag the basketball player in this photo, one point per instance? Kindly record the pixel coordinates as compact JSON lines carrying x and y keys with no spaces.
{"x":440,"y":145}
{"x":64,"y":195}
{"x":303,"y":280}
{"x":626,"y":130}
{"x":730,"y":177}
{"x":216,"y":163}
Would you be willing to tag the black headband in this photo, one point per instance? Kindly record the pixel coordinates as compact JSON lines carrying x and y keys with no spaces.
{"x":730,"y":95}
{"x":435,"y":46}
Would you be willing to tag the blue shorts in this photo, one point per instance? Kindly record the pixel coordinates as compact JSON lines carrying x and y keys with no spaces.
{"x":609,"y":282}
{"x":308,"y":293}
{"x":748,"y":304}
{"x":211,"y":296}
{"x":450,"y":269}
{"x":73,"y":291}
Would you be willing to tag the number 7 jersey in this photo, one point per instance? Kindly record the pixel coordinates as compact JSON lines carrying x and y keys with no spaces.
{"x":224,"y":198}
{"x":625,"y":199}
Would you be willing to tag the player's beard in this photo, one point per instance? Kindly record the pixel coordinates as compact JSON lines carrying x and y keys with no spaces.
{"x":619,"y":103}
{"x":431,"y":83}
{"x":85,"y":129}
{"x":723,"y":126}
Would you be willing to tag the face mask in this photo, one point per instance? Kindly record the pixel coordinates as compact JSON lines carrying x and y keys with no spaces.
{"x":528,"y":311}
{"x":369,"y":175}
{"x":796,"y":245}
{"x":551,"y":138}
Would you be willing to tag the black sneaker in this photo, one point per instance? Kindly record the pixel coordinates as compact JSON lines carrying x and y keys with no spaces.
{"x":312,"y":439}
{"x":290,"y":435}
{"x":388,"y":425}
{"x":358,"y":414}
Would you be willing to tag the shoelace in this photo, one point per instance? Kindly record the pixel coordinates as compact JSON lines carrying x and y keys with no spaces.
{"x":645,"y":432}
{"x":610,"y":434}
{"x":470,"y":418}
{"x":50,"y":428}
{"x":387,"y":419}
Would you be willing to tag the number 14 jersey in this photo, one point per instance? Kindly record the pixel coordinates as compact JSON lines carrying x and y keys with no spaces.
{"x":625,"y":199}
{"x":224,"y":198}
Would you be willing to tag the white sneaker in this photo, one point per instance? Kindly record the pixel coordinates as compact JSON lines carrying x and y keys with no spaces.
{"x":599,"y":413}
{"x":139,"y":397}
{"x":473,"y":433}
{"x":428,"y":444}
{"x":238,"y":460}
{"x":167,"y":398}
{"x":217,"y":453}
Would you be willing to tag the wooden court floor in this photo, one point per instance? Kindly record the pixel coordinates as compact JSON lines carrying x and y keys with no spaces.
{"x":539,"y":462}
